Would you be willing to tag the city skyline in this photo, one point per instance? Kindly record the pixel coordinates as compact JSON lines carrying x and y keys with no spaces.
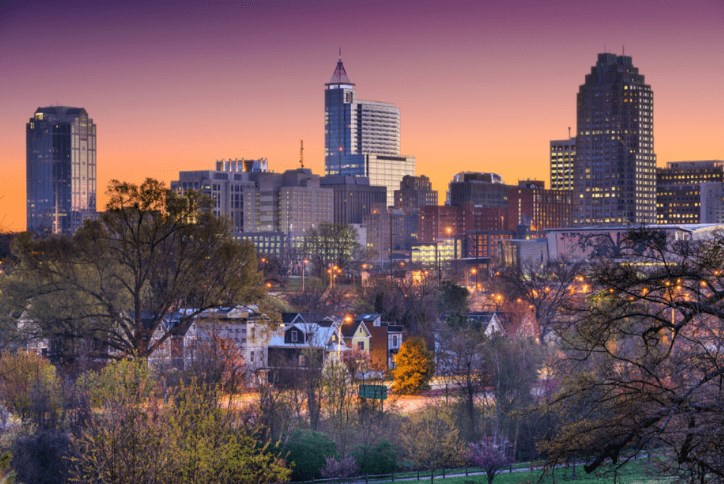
{"x":482,"y":87}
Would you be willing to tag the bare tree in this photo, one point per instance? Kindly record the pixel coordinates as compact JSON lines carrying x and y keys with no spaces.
{"x":645,"y":357}
{"x":152,"y":252}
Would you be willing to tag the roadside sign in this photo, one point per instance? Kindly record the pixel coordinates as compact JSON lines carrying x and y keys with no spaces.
{"x":377,"y":392}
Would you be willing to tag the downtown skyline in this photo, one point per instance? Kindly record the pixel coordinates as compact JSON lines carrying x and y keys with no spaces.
{"x":480,"y":87}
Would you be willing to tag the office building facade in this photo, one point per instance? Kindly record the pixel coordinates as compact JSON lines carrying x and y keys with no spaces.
{"x":354,"y":197}
{"x":60,"y":170}
{"x":712,"y":203}
{"x":478,"y":190}
{"x":562,"y":154}
{"x":614,"y":173}
{"x":362,"y":138}
{"x":414,"y":193}
{"x":532,"y":205}
{"x":678,"y":193}
{"x":258,"y":201}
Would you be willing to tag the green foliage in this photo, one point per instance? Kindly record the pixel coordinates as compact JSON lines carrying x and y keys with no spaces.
{"x":152,"y":251}
{"x":380,"y":458}
{"x":124,"y":382}
{"x":306,"y":452}
{"x":330,"y":244}
{"x":30,"y":387}
{"x":454,"y":301}
{"x":189,"y":439}
{"x":431,"y":439}
{"x":414,"y":367}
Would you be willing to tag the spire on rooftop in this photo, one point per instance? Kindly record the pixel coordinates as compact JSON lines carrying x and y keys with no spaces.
{"x":340,"y":75}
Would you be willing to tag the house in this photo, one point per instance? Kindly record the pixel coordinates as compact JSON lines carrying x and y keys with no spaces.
{"x":242,"y":329}
{"x":385,"y":340}
{"x":488,"y":321}
{"x":302,"y":347}
{"x":356,"y":335}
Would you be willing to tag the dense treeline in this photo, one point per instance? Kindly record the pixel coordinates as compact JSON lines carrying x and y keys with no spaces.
{"x":600,"y":362}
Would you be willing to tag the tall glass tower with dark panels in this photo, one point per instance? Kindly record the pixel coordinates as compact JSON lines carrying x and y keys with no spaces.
{"x":60,"y":169}
{"x":362,"y":138}
{"x":614,"y":173}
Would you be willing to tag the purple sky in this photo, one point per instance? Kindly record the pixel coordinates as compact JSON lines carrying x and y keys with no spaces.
{"x":482,"y":85}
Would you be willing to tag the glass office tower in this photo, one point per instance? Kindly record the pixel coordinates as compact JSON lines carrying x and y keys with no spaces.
{"x":60,"y":170}
{"x":362,"y":138}
{"x":614,"y":173}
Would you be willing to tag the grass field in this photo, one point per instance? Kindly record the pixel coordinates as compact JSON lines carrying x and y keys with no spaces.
{"x":633,"y":473}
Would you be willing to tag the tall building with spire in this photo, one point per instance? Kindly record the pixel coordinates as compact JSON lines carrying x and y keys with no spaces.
{"x":362,"y":138}
{"x":614,"y":172}
{"x":60,"y":169}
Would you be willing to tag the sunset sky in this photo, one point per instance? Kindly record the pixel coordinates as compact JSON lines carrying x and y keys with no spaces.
{"x":482,"y":85}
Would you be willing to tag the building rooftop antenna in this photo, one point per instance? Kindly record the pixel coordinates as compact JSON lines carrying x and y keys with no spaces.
{"x":569,"y":132}
{"x":301,"y":153}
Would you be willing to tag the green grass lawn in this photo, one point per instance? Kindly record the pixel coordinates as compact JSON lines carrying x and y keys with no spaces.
{"x":633,"y":473}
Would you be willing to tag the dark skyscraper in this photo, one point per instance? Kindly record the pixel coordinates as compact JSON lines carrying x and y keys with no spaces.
{"x":614,"y":173}
{"x":60,"y":169}
{"x":362,"y":138}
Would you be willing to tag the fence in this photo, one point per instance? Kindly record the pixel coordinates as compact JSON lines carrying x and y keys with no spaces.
{"x":422,"y":474}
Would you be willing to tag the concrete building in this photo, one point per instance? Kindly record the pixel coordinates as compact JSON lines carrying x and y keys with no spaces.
{"x":385,"y":230}
{"x":414,"y":193}
{"x":678,"y":199}
{"x":60,"y":170}
{"x":362,"y":138}
{"x":354,"y":197}
{"x":614,"y":173}
{"x":562,"y":156}
{"x":231,"y":191}
{"x":712,"y":203}
{"x":439,"y":222}
{"x":581,"y":243}
{"x":532,"y":205}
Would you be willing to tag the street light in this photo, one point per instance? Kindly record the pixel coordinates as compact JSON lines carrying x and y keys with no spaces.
{"x":304,"y":269}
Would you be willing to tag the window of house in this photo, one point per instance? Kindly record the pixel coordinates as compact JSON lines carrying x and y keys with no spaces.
{"x":394,"y":341}
{"x":295,"y":336}
{"x":302,"y":360}
{"x":251,"y":357}
{"x":361,"y":345}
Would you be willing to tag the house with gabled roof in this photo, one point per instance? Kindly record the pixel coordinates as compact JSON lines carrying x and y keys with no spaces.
{"x":243,"y":329}
{"x":301,"y":347}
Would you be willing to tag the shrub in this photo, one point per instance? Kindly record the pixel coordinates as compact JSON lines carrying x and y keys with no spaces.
{"x":307,"y":452}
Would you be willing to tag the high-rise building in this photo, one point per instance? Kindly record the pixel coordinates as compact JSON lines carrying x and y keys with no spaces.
{"x":414,"y":193}
{"x":678,"y":189}
{"x":438,"y":222}
{"x":362,"y":138}
{"x":614,"y":173}
{"x":562,"y":154}
{"x":231,"y":191}
{"x":61,"y":169}
{"x":259,"y":201}
{"x":354,"y":197}
{"x":385,"y":232}
{"x":532,"y":205}
{"x":477,"y":189}
{"x":712,"y":203}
